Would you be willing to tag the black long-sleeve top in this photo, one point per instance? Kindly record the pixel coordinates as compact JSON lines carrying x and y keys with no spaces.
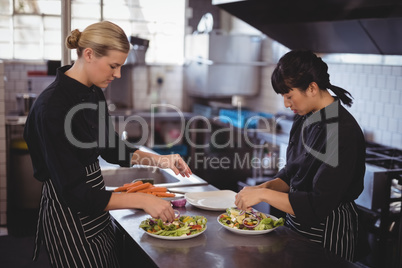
{"x":67,"y":129}
{"x":325,"y":162}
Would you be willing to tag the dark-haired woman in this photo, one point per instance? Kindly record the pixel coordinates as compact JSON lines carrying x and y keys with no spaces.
{"x":325,"y":162}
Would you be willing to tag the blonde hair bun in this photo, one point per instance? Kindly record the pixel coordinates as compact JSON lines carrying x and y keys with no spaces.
{"x":73,"y":38}
{"x":101,"y":37}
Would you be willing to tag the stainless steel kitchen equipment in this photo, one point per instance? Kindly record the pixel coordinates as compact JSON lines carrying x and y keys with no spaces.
{"x":327,"y":26}
{"x":222,"y":65}
{"x":24,"y":102}
{"x":120,"y":91}
{"x":376,"y":177}
{"x":138,"y":52}
{"x":381,"y":198}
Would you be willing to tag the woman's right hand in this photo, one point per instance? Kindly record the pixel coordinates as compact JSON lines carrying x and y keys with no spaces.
{"x":154,"y":206}
{"x":158,"y":208}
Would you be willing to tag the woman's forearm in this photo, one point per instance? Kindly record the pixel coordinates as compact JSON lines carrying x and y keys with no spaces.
{"x":278,"y":200}
{"x":144,"y":158}
{"x":154,"y":206}
{"x":123,"y":200}
{"x":276,"y":184}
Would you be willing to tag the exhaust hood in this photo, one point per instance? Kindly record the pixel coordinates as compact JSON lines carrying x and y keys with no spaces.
{"x":325,"y":26}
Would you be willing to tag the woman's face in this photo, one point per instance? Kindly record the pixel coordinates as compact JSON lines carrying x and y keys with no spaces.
{"x":299,"y":102}
{"x":104,"y":70}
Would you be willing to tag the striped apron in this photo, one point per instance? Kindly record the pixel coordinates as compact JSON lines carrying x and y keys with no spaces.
{"x":337,"y":233}
{"x":75,"y":239}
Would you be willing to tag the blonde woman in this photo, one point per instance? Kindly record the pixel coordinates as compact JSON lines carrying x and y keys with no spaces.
{"x":66,"y":131}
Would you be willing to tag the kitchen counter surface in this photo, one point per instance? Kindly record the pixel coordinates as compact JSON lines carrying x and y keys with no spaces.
{"x":14,"y":120}
{"x":218,"y":247}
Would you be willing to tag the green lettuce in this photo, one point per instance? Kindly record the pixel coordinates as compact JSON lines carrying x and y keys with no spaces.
{"x":269,"y":223}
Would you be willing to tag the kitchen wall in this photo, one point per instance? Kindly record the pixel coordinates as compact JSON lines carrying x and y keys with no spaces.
{"x":14,"y":80}
{"x":146,"y":89}
{"x":145,"y":83}
{"x":376,"y":89}
{"x":377,"y":92}
{"x":3,"y":164}
{"x":17,"y":75}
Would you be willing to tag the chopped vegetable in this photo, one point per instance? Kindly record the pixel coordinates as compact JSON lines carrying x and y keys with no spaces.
{"x":193,"y":225}
{"x":127,"y":185}
{"x":179,"y":202}
{"x":145,"y":186}
{"x":139,"y":187}
{"x":248,"y":220}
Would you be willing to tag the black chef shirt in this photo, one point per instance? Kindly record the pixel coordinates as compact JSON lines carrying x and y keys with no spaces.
{"x":66,"y":130}
{"x":325,"y":162}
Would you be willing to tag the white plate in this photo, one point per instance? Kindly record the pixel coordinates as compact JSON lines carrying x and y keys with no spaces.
{"x":248,"y":232}
{"x":214,"y":200}
{"x":175,"y":237}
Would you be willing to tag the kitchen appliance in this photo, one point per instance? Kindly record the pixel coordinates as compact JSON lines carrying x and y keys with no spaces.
{"x":380,"y":160}
{"x":326,"y":26}
{"x":138,"y":51}
{"x":381,"y":198}
{"x":121,"y":91}
{"x":25,"y":102}
{"x":375,"y":182}
{"x":222,"y":65}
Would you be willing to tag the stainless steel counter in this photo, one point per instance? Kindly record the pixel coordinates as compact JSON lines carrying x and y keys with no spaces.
{"x":218,"y":247}
{"x":115,"y":176}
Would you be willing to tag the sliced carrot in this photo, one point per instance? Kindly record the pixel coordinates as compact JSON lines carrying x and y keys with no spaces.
{"x":139,"y":187}
{"x":154,"y":189}
{"x":128,"y":185}
{"x":161,"y":194}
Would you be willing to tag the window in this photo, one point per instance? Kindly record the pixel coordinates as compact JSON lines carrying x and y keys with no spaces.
{"x":30,"y":29}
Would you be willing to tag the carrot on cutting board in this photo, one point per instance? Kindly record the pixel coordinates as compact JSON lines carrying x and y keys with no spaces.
{"x":127,"y":185}
{"x":139,"y":187}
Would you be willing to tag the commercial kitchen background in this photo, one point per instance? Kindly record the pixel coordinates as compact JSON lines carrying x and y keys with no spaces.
{"x":376,"y":88}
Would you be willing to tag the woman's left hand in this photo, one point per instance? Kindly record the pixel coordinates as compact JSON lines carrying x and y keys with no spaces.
{"x":175,"y":163}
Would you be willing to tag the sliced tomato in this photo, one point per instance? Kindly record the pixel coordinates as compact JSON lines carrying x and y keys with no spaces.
{"x":197,"y":227}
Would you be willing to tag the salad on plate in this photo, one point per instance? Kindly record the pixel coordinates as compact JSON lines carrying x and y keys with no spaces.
{"x":249,"y":220}
{"x":182,"y":227}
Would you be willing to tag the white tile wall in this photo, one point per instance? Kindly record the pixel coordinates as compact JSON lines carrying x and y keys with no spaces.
{"x":377,"y":92}
{"x":16,"y":74}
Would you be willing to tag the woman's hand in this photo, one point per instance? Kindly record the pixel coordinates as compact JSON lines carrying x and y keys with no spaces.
{"x":175,"y":163}
{"x":249,"y":196}
{"x":278,"y":198}
{"x":154,"y":206}
{"x":172,"y":161}
{"x":158,"y":208}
